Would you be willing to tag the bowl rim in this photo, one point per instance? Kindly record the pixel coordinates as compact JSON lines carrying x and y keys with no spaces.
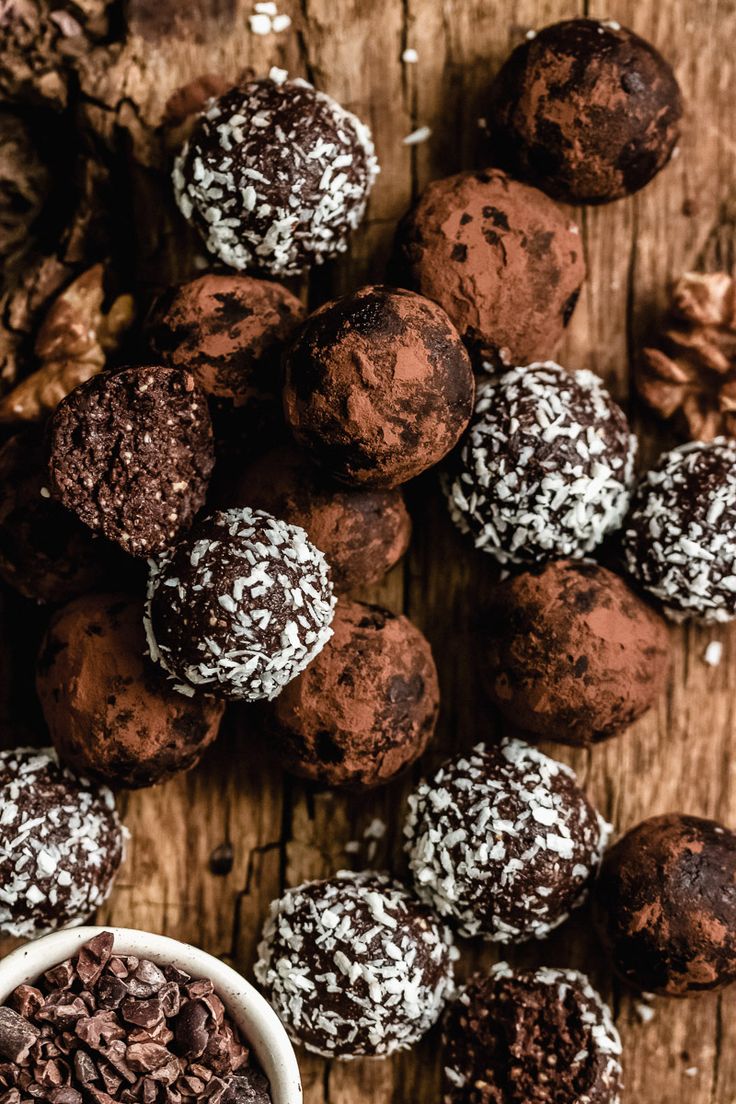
{"x":251,"y":1012}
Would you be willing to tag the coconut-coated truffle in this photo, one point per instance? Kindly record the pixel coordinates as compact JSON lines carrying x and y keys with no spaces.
{"x":531,"y":1037}
{"x":61,"y":843}
{"x":680,"y":539}
{"x":665,"y":904}
{"x":503,"y":842}
{"x":239,"y":607}
{"x":275,"y":176}
{"x":354,"y":966}
{"x":111,"y":713}
{"x":586,"y":110}
{"x":378,"y":386}
{"x":362,"y":531}
{"x":546,"y":468}
{"x":571,"y":653}
{"x":501,"y":258}
{"x":131,"y":454}
{"x":367,"y":706}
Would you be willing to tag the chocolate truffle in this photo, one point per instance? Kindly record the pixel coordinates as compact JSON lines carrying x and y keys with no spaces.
{"x":130,"y":453}
{"x":665,"y":904}
{"x":354,"y":966}
{"x":586,"y":110}
{"x":680,"y":539}
{"x":572,"y":653}
{"x":546,"y":468}
{"x":504,"y":842}
{"x":378,"y":386}
{"x":362,"y":532}
{"x":501,"y":258}
{"x":61,"y":844}
{"x":531,"y":1037}
{"x":275,"y":176}
{"x":365,"y":709}
{"x":240,"y":606}
{"x":110,"y":712}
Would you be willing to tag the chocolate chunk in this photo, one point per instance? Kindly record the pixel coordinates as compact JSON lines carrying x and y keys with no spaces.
{"x":111,"y":991}
{"x":247,"y":1088}
{"x":93,"y":957}
{"x":190,"y":1032}
{"x":144,"y":1013}
{"x":17,"y":1036}
{"x":84,"y":1068}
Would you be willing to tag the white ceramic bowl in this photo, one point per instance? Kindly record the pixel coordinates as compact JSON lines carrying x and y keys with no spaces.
{"x":258,"y":1022}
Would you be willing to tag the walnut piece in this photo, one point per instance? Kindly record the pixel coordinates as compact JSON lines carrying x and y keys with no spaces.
{"x":690,"y":375}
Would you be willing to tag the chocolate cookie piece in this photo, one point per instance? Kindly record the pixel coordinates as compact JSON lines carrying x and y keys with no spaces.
{"x":531,"y":1037}
{"x":501,"y":258}
{"x":367,"y":706}
{"x":110,"y":712}
{"x":275,"y":176}
{"x":586,"y":110}
{"x":354,"y":966}
{"x":665,"y":904}
{"x":378,"y":386}
{"x":571,"y":653}
{"x":503,"y":842}
{"x":130,"y":453}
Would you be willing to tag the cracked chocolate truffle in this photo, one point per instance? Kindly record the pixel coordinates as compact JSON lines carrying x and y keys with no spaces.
{"x":503,"y":842}
{"x":61,"y":844}
{"x":501,"y":258}
{"x":680,"y":538}
{"x":363,"y":532}
{"x":111,"y":713}
{"x":239,"y":607}
{"x":131,"y":454}
{"x":546,"y":468}
{"x":378,"y":386}
{"x":275,"y":176}
{"x":531,"y":1037}
{"x":354,"y":966}
{"x":586,"y":110}
{"x":665,"y":905}
{"x":571,"y":653}
{"x":367,"y":706}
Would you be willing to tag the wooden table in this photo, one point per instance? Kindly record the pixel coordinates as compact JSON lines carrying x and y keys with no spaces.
{"x":679,"y":757}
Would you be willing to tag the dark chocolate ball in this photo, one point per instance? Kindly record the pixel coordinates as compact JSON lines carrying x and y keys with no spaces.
{"x":239,"y":607}
{"x":365,"y":708}
{"x":354,"y":966}
{"x":378,"y":386}
{"x":571,"y":653}
{"x":665,"y":903}
{"x":61,"y":843}
{"x":131,"y":454}
{"x":110,"y":712}
{"x":501,"y":258}
{"x":503,"y":842}
{"x":546,"y":468}
{"x":531,"y":1037}
{"x":275,"y":176}
{"x":586,"y":110}
{"x":680,"y":538}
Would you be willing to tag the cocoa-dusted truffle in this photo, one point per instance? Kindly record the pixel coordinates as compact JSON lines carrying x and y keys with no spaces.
{"x":680,"y":539}
{"x":275,"y":176}
{"x":572,"y":653}
{"x":665,"y":904}
{"x":110,"y":712}
{"x":61,"y":844}
{"x":130,"y":453}
{"x":378,"y":386}
{"x":363,"y":532}
{"x":366,"y":707}
{"x":546,"y":468}
{"x":501,"y":258}
{"x":354,"y":966}
{"x":586,"y":110}
{"x":504,"y":842}
{"x":240,"y":606}
{"x":531,"y":1037}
